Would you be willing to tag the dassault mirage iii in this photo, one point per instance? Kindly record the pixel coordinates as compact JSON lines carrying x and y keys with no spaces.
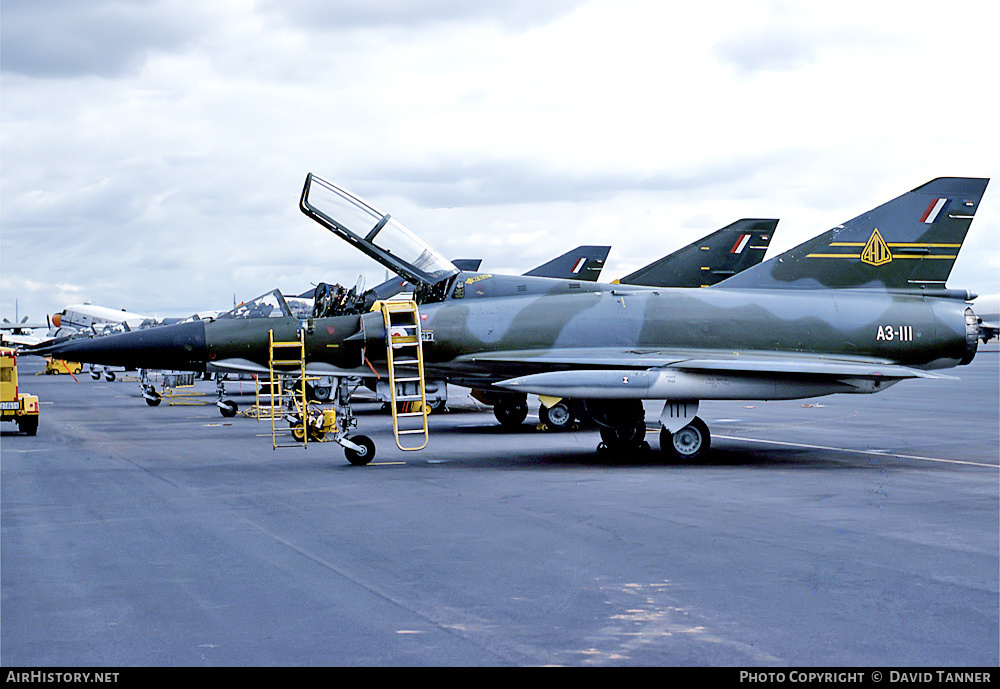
{"x":702,"y":263}
{"x":712,"y":259}
{"x":853,"y":310}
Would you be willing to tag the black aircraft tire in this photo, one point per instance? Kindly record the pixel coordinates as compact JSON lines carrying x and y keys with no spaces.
{"x":624,"y":438}
{"x":557,"y":418}
{"x":367,"y":454}
{"x":154,"y":402}
{"x":510,"y":415}
{"x":109,"y":376}
{"x":229,"y":408}
{"x":690,"y":444}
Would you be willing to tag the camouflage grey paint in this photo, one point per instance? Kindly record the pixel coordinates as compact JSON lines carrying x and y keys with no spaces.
{"x":494,"y":338}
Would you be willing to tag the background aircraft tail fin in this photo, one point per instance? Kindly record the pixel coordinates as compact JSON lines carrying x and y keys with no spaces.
{"x":909,"y":243}
{"x":582,"y":263}
{"x":720,"y":255}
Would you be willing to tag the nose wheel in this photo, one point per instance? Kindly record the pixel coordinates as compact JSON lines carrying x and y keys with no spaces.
{"x":359,"y":449}
{"x":363,"y":451}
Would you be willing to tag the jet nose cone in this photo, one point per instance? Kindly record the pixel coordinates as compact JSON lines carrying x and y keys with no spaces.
{"x":180,"y":346}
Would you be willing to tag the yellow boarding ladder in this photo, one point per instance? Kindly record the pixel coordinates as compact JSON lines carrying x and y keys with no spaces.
{"x":405,"y":357}
{"x":290,"y":353}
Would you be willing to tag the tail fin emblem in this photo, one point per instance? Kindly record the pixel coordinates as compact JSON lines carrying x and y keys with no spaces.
{"x":876,"y":251}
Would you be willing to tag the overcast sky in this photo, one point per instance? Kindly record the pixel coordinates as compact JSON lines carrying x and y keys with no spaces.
{"x":153,"y":152}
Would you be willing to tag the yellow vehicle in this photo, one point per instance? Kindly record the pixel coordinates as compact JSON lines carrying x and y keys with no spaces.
{"x":15,"y":405}
{"x":53,"y":366}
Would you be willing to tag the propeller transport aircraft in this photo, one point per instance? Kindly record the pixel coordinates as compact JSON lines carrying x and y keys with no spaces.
{"x":853,"y":310}
{"x":21,"y":333}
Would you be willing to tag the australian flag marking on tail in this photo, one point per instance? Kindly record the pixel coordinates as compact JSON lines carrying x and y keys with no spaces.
{"x":934,"y":210}
{"x":740,"y":244}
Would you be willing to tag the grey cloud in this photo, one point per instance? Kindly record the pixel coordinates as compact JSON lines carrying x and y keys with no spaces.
{"x":784,"y":46}
{"x":353,"y":14}
{"x":450,"y":183}
{"x":773,"y":49}
{"x":67,"y":38}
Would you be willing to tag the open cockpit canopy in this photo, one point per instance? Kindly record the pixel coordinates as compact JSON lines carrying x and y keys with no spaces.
{"x":269,"y":305}
{"x":375,"y":233}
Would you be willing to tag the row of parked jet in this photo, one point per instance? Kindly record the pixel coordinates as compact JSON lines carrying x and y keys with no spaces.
{"x":855,"y":309}
{"x":721,"y":254}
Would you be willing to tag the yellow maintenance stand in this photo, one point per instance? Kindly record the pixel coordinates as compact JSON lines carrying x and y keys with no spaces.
{"x":288,"y":399}
{"x":405,"y":359}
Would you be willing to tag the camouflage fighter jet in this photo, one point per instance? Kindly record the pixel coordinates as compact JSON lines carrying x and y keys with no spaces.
{"x":703,"y":263}
{"x":582,"y":263}
{"x":854,"y":310}
{"x":711,"y":259}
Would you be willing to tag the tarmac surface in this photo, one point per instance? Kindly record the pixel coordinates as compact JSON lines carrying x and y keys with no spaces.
{"x":850,"y":530}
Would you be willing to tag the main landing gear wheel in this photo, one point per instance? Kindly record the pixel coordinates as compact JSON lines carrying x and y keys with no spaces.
{"x":509,"y":413}
{"x":689,"y":444}
{"x":558,"y":417}
{"x":364,"y":455}
{"x":624,"y":438}
{"x":622,"y":424}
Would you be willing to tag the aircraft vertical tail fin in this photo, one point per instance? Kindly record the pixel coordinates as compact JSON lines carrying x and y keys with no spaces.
{"x":720,"y":255}
{"x":468,"y":265}
{"x":909,"y":243}
{"x":582,"y":263}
